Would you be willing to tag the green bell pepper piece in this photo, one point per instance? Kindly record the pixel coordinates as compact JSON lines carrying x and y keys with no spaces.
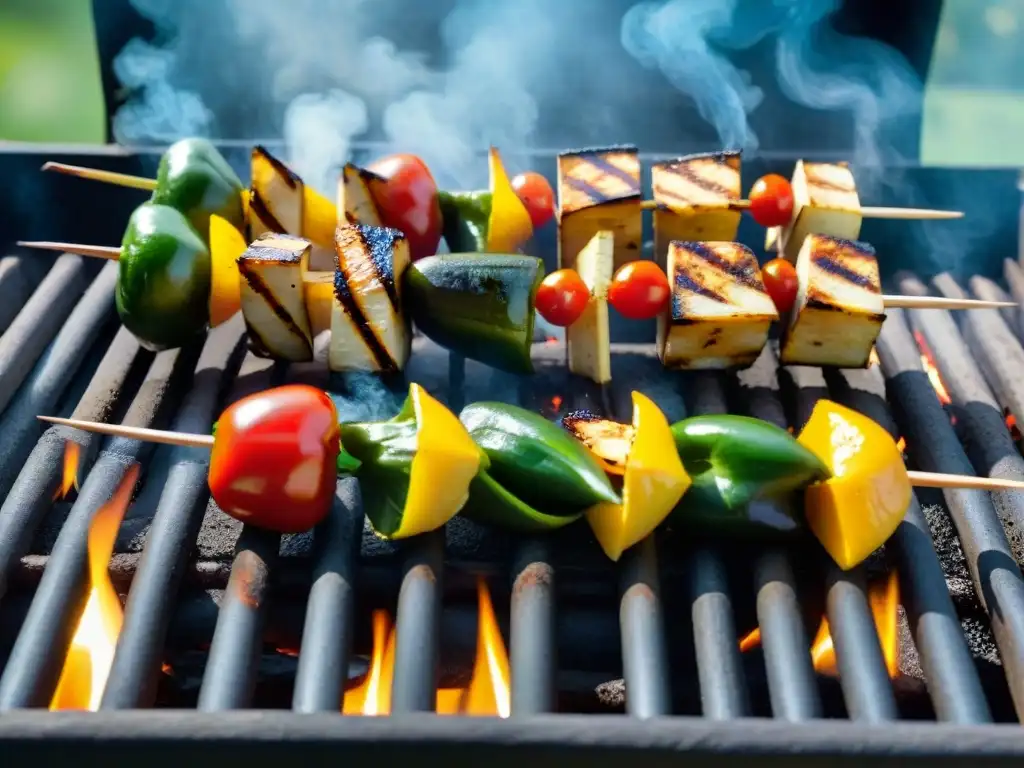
{"x":539,"y":478}
{"x":196,"y":179}
{"x":477,"y":305}
{"x":744,"y":471}
{"x":163,"y":278}
{"x":466,"y":217}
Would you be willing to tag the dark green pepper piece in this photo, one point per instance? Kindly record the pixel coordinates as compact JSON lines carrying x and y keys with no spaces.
{"x":477,"y":305}
{"x":163,"y":278}
{"x":744,"y":471}
{"x":196,"y":179}
{"x":466,"y":217}
{"x":540,"y":478}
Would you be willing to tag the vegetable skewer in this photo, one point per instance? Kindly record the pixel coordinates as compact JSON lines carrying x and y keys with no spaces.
{"x":868,"y":211}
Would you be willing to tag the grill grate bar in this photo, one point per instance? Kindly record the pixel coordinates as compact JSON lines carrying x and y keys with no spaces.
{"x":533,"y":655}
{"x":987,"y":290}
{"x":326,"y":645}
{"x":863,"y":675}
{"x":40,"y":320}
{"x":792,"y":686}
{"x":953,"y":683}
{"x":418,"y":627}
{"x":723,"y":684}
{"x":1014,"y":276}
{"x":29,"y":494}
{"x":172,"y":533}
{"x":997,"y":578}
{"x":34,"y":666}
{"x":19,"y":277}
{"x":230,"y":677}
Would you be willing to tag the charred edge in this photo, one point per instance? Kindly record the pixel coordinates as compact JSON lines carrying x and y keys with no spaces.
{"x":730,"y":157}
{"x":575,"y":417}
{"x":256,"y":283}
{"x":348,"y":302}
{"x":687,"y":171}
{"x":367,"y":175}
{"x":742,"y":273}
{"x":817,"y":181}
{"x":269,"y":220}
{"x":611,"y":149}
{"x":596,"y":196}
{"x":283,"y":170}
{"x":380,"y":243}
{"x":827,"y":263}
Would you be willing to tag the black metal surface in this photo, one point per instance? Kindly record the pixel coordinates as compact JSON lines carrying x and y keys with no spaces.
{"x":935,"y":447}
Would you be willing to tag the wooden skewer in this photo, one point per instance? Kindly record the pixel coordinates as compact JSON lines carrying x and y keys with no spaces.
{"x":920,"y":479}
{"x":99,"y":251}
{"x":108,"y":177}
{"x":868,"y":211}
{"x":135,"y":433}
{"x":941,"y":302}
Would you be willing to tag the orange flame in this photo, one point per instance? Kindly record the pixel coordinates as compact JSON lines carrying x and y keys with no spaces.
{"x":873,"y":358}
{"x":88,"y":661}
{"x":902,"y":444}
{"x":488,"y":691}
{"x":928,"y":363}
{"x":556,"y":403}
{"x":884,"y":599}
{"x":69,"y":480}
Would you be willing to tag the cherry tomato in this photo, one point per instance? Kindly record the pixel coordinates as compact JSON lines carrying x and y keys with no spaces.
{"x":639,"y":290}
{"x":781,"y":282}
{"x":562,"y":297}
{"x":537,"y":195}
{"x":275,"y":458}
{"x":771,"y":201}
{"x":408,"y":202}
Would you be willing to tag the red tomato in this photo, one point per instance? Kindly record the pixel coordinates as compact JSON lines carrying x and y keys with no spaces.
{"x":781,"y":283}
{"x":408,"y":202}
{"x":562,"y":297}
{"x":275,"y":458}
{"x":771,"y":201}
{"x":639,"y":290}
{"x":537,"y":195}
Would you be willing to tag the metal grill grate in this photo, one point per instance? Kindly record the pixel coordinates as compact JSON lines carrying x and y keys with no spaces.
{"x":64,"y":353}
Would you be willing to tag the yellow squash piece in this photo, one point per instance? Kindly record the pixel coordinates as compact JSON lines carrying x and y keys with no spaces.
{"x":856,"y":510}
{"x":445,"y":463}
{"x":653,"y":483}
{"x":509,"y":226}
{"x":226,"y":245}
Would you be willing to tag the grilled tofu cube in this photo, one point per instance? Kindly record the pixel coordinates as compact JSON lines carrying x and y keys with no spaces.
{"x":696,"y":200}
{"x":588,"y":342}
{"x":273,"y":268}
{"x":838,"y":312}
{"x":825,"y":202}
{"x":369,"y":332}
{"x":355,"y":203}
{"x":275,"y":202}
{"x":599,"y":189}
{"x":719,"y":314}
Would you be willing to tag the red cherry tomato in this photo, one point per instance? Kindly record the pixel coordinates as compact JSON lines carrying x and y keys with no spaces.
{"x":275,"y":458}
{"x":537,"y":195}
{"x":562,"y":297}
{"x":408,"y":202}
{"x":781,"y":282}
{"x":639,"y":290}
{"x":771,"y":201}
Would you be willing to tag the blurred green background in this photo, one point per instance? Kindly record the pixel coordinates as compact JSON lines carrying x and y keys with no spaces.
{"x":50,"y":88}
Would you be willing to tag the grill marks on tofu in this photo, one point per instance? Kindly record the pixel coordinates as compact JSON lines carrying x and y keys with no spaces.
{"x":368,"y":330}
{"x":355,"y":201}
{"x":272,"y":291}
{"x":839,"y":311}
{"x":825,"y":202}
{"x":275,"y":202}
{"x":599,"y":189}
{"x":720,"y":314}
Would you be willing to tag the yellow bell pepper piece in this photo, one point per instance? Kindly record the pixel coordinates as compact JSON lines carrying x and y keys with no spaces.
{"x":509,"y":225}
{"x":226,"y":245}
{"x":445,"y":462}
{"x":856,"y":510}
{"x":653,"y":483}
{"x":319,"y":218}
{"x":318,"y":294}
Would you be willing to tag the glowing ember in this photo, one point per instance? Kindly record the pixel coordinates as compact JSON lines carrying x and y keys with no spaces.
{"x":487,"y":694}
{"x":556,"y":403}
{"x":551,"y":340}
{"x":88,"y":661}
{"x":884,"y":599}
{"x":69,"y":480}
{"x":1011,"y":424}
{"x":928,"y":363}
